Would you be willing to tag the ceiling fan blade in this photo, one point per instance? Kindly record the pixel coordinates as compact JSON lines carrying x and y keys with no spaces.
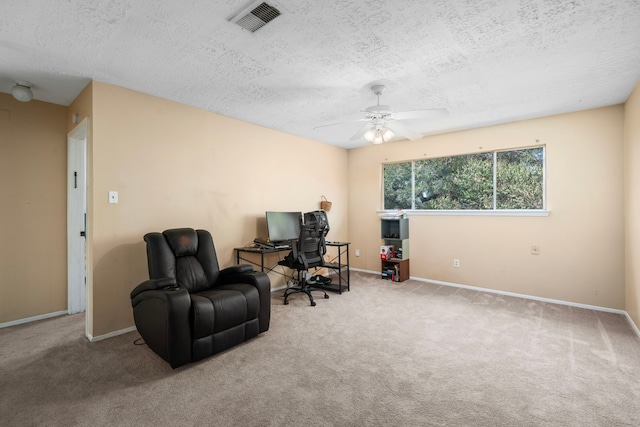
{"x":340,"y":123}
{"x":361,"y":132}
{"x":401,"y":129}
{"x":432,"y":113}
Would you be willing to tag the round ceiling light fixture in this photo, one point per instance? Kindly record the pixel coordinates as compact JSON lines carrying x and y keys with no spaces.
{"x":22,"y":91}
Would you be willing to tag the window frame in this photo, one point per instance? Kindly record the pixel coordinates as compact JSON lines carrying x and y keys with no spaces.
{"x":473,"y":212}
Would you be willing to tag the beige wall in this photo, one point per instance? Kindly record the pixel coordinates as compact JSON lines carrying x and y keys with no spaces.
{"x":33,"y":257}
{"x":177,"y":166}
{"x":632,"y":211}
{"x":581,"y":241}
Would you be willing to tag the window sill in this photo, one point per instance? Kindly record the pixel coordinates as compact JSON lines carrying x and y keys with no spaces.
{"x":470,"y":212}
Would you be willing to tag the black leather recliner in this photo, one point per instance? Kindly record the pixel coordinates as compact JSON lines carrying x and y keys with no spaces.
{"x":190,"y":309}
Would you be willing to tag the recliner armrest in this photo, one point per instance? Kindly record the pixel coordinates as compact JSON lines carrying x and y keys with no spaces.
{"x":162,"y":319}
{"x":236,"y":269}
{"x":261,"y":281}
{"x":154,"y":284}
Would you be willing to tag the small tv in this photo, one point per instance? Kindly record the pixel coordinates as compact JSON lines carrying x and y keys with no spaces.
{"x":283,"y":226}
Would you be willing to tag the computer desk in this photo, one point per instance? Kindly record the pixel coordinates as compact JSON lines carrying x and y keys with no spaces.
{"x":338,"y":264}
{"x":242,"y":253}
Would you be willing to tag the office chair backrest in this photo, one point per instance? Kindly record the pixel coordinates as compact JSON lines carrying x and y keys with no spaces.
{"x":312,"y":238}
{"x":310,"y":247}
{"x":184,"y":254}
{"x":319,"y":218}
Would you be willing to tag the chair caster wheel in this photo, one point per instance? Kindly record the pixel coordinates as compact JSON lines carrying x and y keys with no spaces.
{"x":286,"y":303}
{"x":326,"y":296}
{"x":313,"y":303}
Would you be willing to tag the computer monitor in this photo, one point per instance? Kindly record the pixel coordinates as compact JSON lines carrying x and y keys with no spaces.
{"x":282,"y":226}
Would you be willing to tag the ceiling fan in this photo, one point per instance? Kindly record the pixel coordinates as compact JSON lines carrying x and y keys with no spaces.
{"x":382,"y":124}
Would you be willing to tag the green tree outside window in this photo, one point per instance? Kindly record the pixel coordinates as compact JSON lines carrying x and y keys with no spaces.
{"x":511,"y":179}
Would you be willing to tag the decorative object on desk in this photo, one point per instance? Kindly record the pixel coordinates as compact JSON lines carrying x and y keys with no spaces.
{"x":325,"y":205}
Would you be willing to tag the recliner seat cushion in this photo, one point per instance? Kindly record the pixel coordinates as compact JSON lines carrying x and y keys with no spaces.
{"x":222,"y":308}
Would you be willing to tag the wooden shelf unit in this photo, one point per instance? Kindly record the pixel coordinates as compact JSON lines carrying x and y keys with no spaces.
{"x":396,"y":270}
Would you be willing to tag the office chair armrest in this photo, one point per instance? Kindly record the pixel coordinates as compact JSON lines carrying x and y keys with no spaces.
{"x":236,"y":269}
{"x":153,"y":285}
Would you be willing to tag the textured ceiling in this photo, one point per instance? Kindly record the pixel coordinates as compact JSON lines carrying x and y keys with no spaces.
{"x":485,"y":61}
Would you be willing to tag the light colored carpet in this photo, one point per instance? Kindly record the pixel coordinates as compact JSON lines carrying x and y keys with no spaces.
{"x":384,"y":354}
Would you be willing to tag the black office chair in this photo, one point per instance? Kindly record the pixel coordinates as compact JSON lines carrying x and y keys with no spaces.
{"x":307,"y":252}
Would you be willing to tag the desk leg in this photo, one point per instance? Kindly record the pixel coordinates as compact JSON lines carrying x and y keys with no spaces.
{"x":348,"y":272}
{"x":340,"y":269}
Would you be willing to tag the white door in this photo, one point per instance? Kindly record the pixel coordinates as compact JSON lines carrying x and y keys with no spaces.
{"x":77,"y":217}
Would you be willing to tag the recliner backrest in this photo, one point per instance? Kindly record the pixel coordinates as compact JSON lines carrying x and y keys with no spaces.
{"x":184,"y":254}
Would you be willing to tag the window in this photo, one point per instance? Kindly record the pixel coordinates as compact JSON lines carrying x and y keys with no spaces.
{"x":498,"y":180}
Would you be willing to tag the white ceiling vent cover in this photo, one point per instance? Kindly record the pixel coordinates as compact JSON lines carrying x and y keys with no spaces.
{"x":255,"y":16}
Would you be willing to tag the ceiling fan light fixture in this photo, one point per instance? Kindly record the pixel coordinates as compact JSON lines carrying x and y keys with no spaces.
{"x":22,"y":91}
{"x":378,"y":136}
{"x":369,"y":135}
{"x":382,"y":124}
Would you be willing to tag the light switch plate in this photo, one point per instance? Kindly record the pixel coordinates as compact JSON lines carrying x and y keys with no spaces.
{"x":113,"y":197}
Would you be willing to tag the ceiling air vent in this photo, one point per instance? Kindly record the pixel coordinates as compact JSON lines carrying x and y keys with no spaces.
{"x":255,"y":16}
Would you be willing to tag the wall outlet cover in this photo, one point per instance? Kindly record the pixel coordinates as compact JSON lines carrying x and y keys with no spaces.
{"x":113,"y":197}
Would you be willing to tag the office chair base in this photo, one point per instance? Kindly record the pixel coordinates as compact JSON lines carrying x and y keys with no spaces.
{"x":303,"y":289}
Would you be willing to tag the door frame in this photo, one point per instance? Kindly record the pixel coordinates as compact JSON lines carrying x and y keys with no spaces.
{"x":77,"y":218}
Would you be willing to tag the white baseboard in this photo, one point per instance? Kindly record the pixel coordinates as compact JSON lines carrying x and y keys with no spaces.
{"x":111,"y":334}
{"x":633,"y":325}
{"x":535,"y":298}
{"x":524,"y":296}
{"x":33,"y":319}
{"x":62,"y":313}
{"x":364,"y":271}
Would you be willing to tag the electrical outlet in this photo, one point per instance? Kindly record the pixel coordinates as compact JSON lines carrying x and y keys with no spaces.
{"x":535,"y":250}
{"x":456,"y":263}
{"x":357,"y":252}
